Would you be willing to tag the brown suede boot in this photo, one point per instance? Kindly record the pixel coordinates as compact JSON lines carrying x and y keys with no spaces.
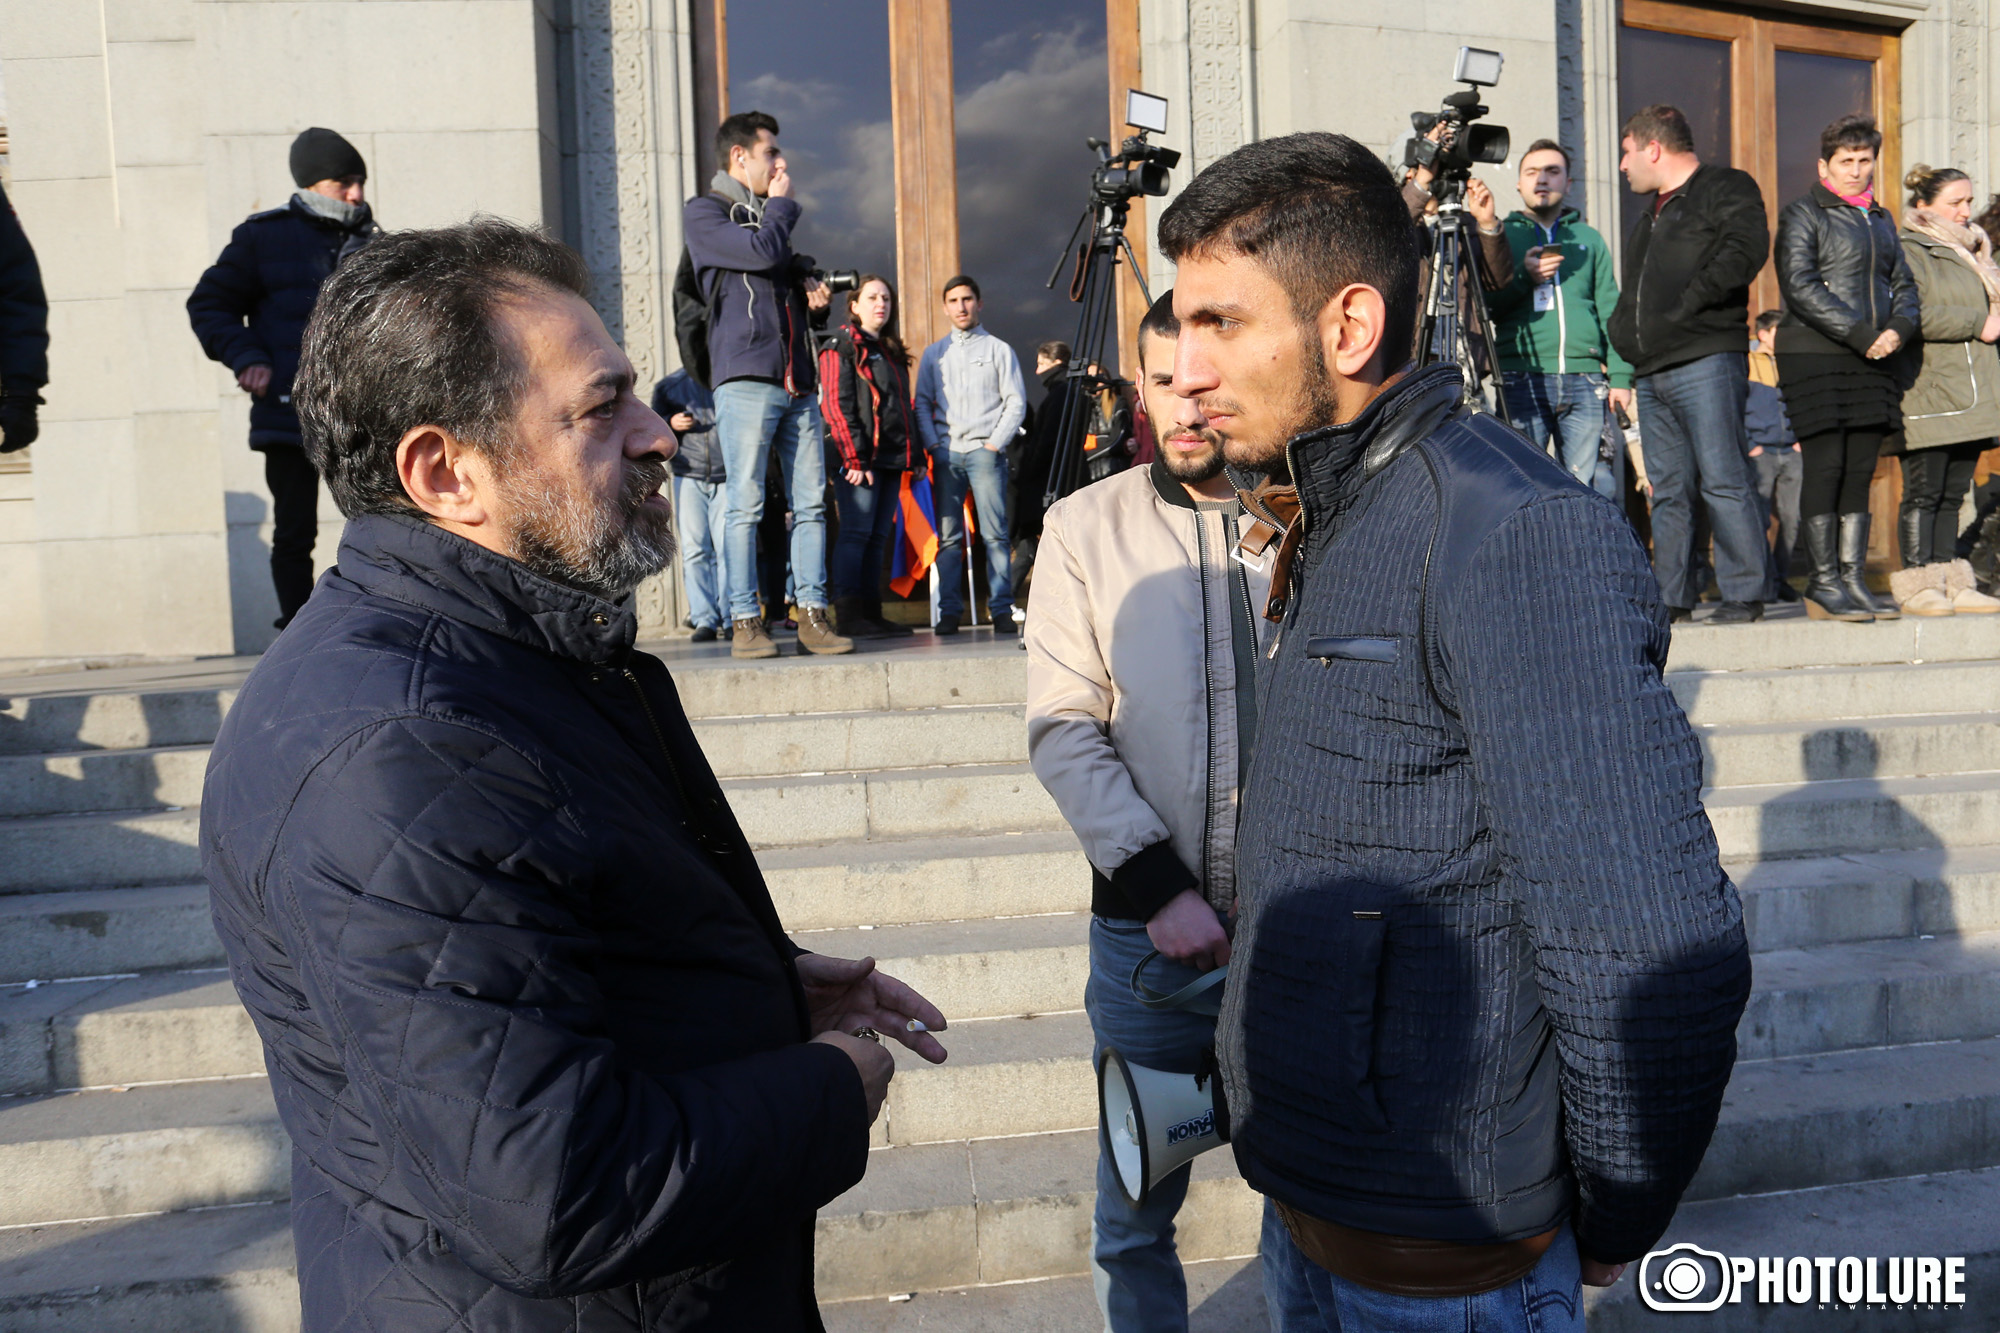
{"x":816,"y":633}
{"x":749,"y":638}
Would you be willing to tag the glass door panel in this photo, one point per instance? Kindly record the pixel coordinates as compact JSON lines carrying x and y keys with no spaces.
{"x":1692,"y":73}
{"x":1813,"y":92}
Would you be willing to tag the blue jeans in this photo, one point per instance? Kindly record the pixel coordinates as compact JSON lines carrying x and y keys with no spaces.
{"x":984,"y":473}
{"x":1569,"y":409}
{"x":1697,"y":452}
{"x":700,"y":511}
{"x":758,"y":424}
{"x":1140,"y":1287}
{"x":867,"y":517}
{"x":1305,"y":1298}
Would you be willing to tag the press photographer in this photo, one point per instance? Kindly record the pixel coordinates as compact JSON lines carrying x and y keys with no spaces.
{"x":762,"y":303}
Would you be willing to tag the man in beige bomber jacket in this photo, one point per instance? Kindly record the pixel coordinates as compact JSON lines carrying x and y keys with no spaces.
{"x":1141,"y":716}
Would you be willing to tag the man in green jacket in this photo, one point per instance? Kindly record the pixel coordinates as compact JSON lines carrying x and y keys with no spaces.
{"x":1557,"y":365}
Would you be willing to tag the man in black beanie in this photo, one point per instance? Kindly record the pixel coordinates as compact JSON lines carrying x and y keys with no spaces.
{"x":250,"y":311}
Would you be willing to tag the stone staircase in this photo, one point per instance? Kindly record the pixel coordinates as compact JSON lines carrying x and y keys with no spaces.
{"x":1855,"y":791}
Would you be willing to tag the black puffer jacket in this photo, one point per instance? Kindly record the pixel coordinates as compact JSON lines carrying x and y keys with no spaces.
{"x":1685,"y":293}
{"x":24,"y":309}
{"x":1843,"y":276}
{"x":1488,"y":968}
{"x":251,"y":306}
{"x":530,"y":1018}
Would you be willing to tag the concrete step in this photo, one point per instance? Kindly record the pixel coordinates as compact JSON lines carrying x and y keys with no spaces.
{"x":1224,"y":1296}
{"x":86,"y":781}
{"x":1810,"y":1120}
{"x":856,"y":741}
{"x":839,"y":883}
{"x":1778,"y":644}
{"x":977,"y":969}
{"x":892,"y":803}
{"x":203,"y":1271}
{"x":1855,"y":815}
{"x":1759,"y":753}
{"x":1951,"y":1214}
{"x":96,"y":932}
{"x":80,"y":1155}
{"x":917,"y":675}
{"x":52,"y":853}
{"x":1006,"y":1076}
{"x":1878,"y":993}
{"x":1001,"y":1210}
{"x":33,"y":723}
{"x":158,"y":1028}
{"x":1812,"y":694}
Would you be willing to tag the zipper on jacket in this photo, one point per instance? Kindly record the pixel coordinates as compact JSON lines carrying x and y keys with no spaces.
{"x":702,"y":833}
{"x":1562,"y":315}
{"x":1869,"y":218}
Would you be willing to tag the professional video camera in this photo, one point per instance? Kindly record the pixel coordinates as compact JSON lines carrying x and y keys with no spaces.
{"x":1451,"y":155}
{"x":1139,"y":167}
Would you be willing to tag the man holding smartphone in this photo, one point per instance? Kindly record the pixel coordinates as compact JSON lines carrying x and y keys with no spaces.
{"x":1557,"y":366}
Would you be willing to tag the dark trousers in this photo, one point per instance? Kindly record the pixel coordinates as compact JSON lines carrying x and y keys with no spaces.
{"x":294,"y":525}
{"x":1838,"y":467}
{"x":1691,"y":429}
{"x":1934,"y":484}
{"x":867,"y":519}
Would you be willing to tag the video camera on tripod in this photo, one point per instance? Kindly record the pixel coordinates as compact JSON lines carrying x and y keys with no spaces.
{"x":1451,"y":156}
{"x":1138,"y":168}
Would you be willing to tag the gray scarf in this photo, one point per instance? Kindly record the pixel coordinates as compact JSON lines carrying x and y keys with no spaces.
{"x":737,"y":192}
{"x":350,"y":216}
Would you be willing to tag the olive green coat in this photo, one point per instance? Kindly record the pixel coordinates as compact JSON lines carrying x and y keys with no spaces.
{"x":1956,"y":396}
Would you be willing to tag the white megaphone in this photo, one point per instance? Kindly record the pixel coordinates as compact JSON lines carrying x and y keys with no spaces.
{"x":1155,"y":1122}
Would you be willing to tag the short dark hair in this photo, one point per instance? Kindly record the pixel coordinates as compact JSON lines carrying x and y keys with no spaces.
{"x":960,"y":280}
{"x":1160,"y":321}
{"x":403,"y":335}
{"x":740,"y":131}
{"x":1054,"y":350}
{"x":1770,"y":319}
{"x":1660,"y":124}
{"x":1550,"y":146}
{"x":1854,"y":131}
{"x":1319,"y":212}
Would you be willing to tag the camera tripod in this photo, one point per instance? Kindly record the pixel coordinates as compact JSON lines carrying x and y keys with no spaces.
{"x":1443,"y":333}
{"x":1094,"y":285}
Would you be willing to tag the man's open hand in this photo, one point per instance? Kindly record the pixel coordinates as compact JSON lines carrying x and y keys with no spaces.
{"x":1187,"y":931}
{"x":254,"y":380}
{"x":847,"y":994}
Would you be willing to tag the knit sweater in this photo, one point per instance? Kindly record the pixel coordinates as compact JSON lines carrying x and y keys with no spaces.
{"x":1488,"y":969}
{"x":969,"y":393}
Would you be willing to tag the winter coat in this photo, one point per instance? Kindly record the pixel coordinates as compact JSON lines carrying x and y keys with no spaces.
{"x":1955,"y":396}
{"x":1033,"y":453}
{"x":1132,"y":687}
{"x":1568,"y":338}
{"x":1842,"y":275}
{"x":865,"y":399}
{"x":1765,"y":424}
{"x":762,"y":329}
{"x":698,"y":453}
{"x":531,"y":1022}
{"x":24,"y":309}
{"x":1488,"y":969}
{"x":251,"y":306}
{"x":1685,"y":292}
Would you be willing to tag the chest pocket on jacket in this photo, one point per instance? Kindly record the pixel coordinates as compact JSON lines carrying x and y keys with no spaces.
{"x":1352,"y":648}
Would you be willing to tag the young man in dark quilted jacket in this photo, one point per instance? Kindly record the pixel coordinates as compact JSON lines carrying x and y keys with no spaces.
{"x":250,"y":311}
{"x":547,"y":1060}
{"x":1487,"y":971}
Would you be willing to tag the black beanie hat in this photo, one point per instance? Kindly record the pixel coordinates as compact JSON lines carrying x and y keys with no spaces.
{"x":321,"y":155}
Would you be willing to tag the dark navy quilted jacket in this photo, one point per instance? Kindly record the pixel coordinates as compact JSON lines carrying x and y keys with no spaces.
{"x":251,"y":305}
{"x":530,"y":1018}
{"x":1488,"y":969}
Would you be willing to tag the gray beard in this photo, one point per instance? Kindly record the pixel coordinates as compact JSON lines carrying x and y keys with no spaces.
{"x":606,"y":550}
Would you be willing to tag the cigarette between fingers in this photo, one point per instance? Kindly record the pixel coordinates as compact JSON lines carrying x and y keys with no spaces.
{"x":916,"y":1025}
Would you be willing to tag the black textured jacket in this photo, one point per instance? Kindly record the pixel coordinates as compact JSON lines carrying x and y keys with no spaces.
{"x":251,"y":306}
{"x":1488,"y":968}
{"x":531,"y":1022}
{"x":1685,"y":293}
{"x":864,"y":395}
{"x":1843,"y":276}
{"x":24,"y":309}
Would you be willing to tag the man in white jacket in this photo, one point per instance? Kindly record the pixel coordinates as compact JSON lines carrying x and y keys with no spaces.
{"x":1141,"y":716}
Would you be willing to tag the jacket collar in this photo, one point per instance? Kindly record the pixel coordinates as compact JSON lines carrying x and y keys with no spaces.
{"x":412,"y":560}
{"x":1330,"y":466}
{"x":1826,"y":198}
{"x":1170,"y":490}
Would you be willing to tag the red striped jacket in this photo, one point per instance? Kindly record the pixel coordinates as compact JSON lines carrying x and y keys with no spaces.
{"x":867,"y":436}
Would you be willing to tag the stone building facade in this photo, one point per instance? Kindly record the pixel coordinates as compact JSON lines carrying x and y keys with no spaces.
{"x":142,"y":131}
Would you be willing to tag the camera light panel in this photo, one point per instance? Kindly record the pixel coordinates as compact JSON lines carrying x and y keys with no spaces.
{"x":1143,"y":111}
{"x":1477,"y":65}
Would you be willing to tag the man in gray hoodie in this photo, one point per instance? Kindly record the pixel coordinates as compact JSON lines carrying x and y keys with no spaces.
{"x":970,"y":404}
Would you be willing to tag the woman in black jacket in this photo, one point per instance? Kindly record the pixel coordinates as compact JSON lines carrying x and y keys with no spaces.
{"x":1850,"y":302}
{"x":864,"y":378}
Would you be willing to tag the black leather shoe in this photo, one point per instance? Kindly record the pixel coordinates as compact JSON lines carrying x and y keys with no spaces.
{"x":1679,"y":615}
{"x":946,"y":625}
{"x":703,"y":634}
{"x":1005,"y":625}
{"x":1737,"y":613}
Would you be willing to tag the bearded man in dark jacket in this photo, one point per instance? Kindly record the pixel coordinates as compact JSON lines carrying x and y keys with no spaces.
{"x":1487,"y":969}
{"x":545,"y":1055}
{"x":250,"y":311}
